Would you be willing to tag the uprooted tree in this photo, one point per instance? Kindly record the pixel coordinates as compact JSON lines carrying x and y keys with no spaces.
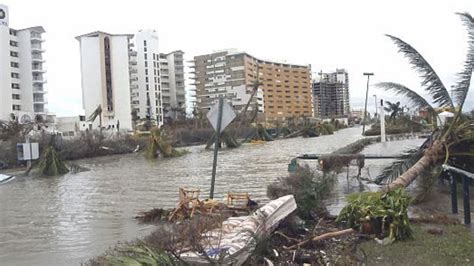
{"x":448,"y":144}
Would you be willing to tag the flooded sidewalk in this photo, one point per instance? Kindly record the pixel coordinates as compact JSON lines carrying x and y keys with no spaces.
{"x":69,"y":219}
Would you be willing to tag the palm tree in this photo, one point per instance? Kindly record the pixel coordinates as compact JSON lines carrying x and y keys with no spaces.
{"x":444,"y":143}
{"x":394,"y":109}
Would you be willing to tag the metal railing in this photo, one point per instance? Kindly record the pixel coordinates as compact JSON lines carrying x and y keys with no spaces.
{"x":455,"y":173}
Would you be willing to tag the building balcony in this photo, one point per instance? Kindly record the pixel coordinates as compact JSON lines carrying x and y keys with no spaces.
{"x":39,"y":100}
{"x":39,"y":80}
{"x":36,"y":48}
{"x":37,"y":58}
{"x":38,"y":70}
{"x":39,"y":91}
{"x":36,"y":39}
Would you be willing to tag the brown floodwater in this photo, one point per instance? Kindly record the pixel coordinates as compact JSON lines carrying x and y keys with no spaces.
{"x":67,"y":220}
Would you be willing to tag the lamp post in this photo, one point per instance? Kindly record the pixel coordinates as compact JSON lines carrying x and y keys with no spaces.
{"x":376,"y":113}
{"x":366,"y":96}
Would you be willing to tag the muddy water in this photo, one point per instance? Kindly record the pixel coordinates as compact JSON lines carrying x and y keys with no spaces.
{"x":68,"y":219}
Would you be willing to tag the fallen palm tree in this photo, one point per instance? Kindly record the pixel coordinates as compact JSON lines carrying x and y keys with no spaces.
{"x":225,"y":138}
{"x":158,"y":145}
{"x":51,"y":164}
{"x":444,"y":146}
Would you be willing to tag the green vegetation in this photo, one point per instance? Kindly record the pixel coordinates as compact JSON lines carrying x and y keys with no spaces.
{"x":308,"y":188}
{"x":452,"y":247}
{"x":445,"y":145}
{"x":384,"y":214}
{"x":159,"y":145}
{"x":51,"y":164}
{"x":396,"y":125}
{"x":134,"y":254}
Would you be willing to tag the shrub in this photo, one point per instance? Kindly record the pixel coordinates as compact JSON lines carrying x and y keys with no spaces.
{"x":308,"y":188}
{"x":379,"y":213}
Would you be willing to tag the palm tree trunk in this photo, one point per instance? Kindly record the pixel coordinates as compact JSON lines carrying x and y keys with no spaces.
{"x":432,"y":155}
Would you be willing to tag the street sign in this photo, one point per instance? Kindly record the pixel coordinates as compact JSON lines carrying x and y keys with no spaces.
{"x":27,"y":151}
{"x":228,"y":115}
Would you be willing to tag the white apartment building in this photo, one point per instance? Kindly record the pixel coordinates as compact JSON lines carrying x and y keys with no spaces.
{"x":129,"y":76}
{"x":105,"y":71}
{"x":172,"y":85}
{"x":145,"y":72}
{"x":22,"y":74}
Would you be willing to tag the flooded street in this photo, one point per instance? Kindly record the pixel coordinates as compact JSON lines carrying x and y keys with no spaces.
{"x":67,"y":220}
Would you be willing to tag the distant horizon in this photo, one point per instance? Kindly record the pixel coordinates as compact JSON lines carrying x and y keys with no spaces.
{"x":351,"y":37}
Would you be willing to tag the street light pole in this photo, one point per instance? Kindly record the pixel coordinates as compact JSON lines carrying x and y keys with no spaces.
{"x":366,"y":97}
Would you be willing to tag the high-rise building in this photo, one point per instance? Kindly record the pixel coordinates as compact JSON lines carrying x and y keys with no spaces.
{"x":172,"y":85}
{"x":331,"y":94}
{"x":22,"y":72}
{"x":136,"y":81}
{"x":105,"y":70}
{"x":285,"y":90}
{"x":145,"y":71}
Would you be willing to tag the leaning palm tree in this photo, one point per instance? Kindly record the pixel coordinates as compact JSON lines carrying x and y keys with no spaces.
{"x":443,"y":144}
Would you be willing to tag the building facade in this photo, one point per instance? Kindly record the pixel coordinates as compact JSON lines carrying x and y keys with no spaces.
{"x":172,"y":85}
{"x":130,"y":79}
{"x":145,"y":72}
{"x":284,"y":91}
{"x":105,"y":71}
{"x":331,"y":94}
{"x":22,"y":72}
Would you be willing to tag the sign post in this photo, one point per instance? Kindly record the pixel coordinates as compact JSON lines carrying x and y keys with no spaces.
{"x":220,"y":116}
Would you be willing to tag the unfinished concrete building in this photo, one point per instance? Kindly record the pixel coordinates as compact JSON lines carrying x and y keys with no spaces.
{"x":331,"y":94}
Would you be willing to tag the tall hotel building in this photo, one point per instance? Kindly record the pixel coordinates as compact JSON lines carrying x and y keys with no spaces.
{"x":105,"y":70}
{"x":331,"y":94}
{"x":285,"y":90}
{"x":22,"y":74}
{"x":126,"y":74}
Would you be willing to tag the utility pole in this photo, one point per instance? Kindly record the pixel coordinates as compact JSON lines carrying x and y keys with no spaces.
{"x":364,"y":121}
{"x":376,"y":112}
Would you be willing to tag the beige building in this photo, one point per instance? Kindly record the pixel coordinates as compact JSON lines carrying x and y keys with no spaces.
{"x":285,"y":90}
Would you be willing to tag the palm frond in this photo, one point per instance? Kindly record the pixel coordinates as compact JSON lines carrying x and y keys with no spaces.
{"x":431,"y":80}
{"x":411,"y":95}
{"x":464,"y":77}
{"x":391,"y":172}
{"x":97,"y":112}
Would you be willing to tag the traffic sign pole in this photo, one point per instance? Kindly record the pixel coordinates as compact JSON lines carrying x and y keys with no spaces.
{"x":216,"y":145}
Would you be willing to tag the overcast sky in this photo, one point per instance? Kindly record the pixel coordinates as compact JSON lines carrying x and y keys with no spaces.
{"x":325,"y":34}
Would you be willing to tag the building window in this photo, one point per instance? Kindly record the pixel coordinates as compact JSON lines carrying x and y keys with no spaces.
{"x":13,"y":43}
{"x":108,"y":75}
{"x":146,"y":79}
{"x":16,"y":107}
{"x":13,"y":54}
{"x":15,"y":75}
{"x":13,"y":32}
{"x":15,"y":86}
{"x":16,"y":96}
{"x":14,"y":64}
{"x":144,"y":43}
{"x":145,"y":55}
